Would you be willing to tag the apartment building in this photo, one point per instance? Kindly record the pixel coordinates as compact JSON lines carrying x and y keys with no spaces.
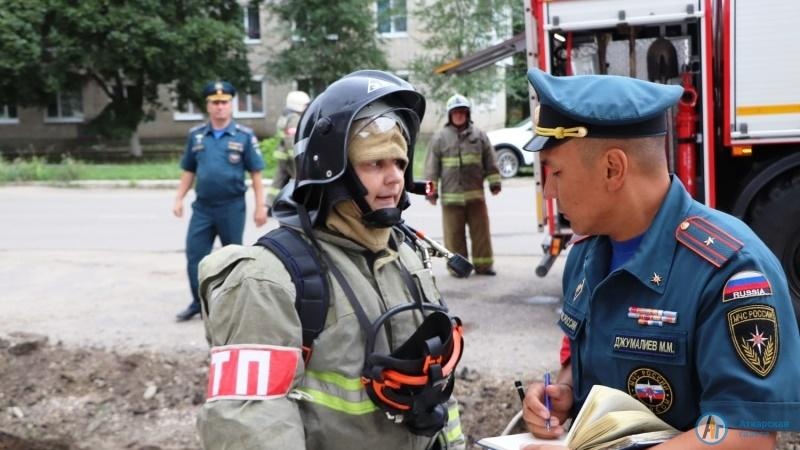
{"x":61,"y":125}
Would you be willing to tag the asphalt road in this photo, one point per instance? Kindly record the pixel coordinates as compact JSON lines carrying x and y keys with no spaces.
{"x":105,"y":267}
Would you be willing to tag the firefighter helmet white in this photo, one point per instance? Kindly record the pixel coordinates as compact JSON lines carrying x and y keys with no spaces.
{"x":297,"y":101}
{"x":457,"y":101}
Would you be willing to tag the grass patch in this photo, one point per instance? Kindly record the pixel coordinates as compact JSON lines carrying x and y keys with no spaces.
{"x":161,"y":170}
{"x":37,"y":168}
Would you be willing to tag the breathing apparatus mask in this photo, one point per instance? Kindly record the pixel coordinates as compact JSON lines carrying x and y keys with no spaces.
{"x":413,"y":382}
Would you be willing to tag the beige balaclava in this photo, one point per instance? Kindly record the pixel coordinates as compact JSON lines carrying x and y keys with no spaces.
{"x":369,"y":143}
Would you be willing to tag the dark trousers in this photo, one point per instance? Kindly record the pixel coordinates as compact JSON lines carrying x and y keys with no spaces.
{"x":475,"y":215}
{"x":208,"y":222}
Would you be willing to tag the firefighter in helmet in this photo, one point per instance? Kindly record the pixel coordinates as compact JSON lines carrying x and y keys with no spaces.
{"x":460,"y":158}
{"x":360,"y":382}
{"x":296,"y":103}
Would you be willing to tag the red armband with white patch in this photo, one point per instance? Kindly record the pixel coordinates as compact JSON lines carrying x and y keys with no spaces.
{"x":251,"y":372}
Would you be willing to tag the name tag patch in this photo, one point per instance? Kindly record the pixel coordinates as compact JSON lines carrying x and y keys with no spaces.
{"x":746,"y":284}
{"x":251,"y":372}
{"x":646,"y":345}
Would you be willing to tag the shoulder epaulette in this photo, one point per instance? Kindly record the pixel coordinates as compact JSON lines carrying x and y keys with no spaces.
{"x":197,"y":128}
{"x":244,"y":128}
{"x":707,"y":240}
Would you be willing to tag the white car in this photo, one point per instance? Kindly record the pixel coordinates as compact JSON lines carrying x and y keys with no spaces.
{"x":508,"y":143}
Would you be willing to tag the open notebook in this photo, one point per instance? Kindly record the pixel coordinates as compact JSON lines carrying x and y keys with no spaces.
{"x":609,"y":419}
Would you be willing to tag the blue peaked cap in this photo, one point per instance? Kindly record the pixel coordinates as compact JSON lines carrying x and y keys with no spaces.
{"x":219,"y":90}
{"x":598,"y":106}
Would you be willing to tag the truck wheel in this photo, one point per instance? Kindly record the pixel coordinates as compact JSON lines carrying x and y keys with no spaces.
{"x":507,"y":162}
{"x":775,"y":217}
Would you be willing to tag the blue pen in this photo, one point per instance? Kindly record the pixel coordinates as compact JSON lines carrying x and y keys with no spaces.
{"x":547,"y":399}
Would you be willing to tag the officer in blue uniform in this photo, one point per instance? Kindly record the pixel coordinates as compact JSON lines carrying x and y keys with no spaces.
{"x":675,"y":303}
{"x":217,"y":155}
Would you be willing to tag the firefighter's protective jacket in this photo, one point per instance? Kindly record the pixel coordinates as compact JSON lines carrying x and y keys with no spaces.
{"x":251,"y":300}
{"x":461,"y":160}
{"x":283,"y":154}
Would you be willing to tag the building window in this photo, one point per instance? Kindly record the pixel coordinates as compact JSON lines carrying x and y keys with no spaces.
{"x":187,"y":111}
{"x":250,"y":105}
{"x":65,"y":107}
{"x":392,"y":17}
{"x":8,"y":113}
{"x":252,"y":23}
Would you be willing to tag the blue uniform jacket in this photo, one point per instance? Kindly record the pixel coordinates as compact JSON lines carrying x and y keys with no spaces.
{"x":717,"y":333}
{"x":219,"y":164}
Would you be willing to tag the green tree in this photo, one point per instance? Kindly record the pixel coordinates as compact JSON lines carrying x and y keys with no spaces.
{"x":128,"y":48}
{"x":517,"y":101}
{"x":326,"y":41}
{"x":458,"y":29}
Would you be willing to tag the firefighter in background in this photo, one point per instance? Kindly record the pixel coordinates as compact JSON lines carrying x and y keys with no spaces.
{"x":679,"y":305}
{"x":354,"y":154}
{"x":460,"y":157}
{"x":296,"y":103}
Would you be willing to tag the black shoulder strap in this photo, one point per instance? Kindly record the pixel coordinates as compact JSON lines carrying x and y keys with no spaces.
{"x":310,"y":281}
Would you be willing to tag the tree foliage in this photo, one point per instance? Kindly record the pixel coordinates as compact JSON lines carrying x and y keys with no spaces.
{"x":517,"y":94}
{"x":126,"y":47}
{"x":326,"y":41}
{"x":458,"y":28}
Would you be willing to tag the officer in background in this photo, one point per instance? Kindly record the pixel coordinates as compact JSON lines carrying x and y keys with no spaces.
{"x":296,"y":103}
{"x":217,"y":155}
{"x":347,"y":200}
{"x":461,"y":156}
{"x":673,"y":302}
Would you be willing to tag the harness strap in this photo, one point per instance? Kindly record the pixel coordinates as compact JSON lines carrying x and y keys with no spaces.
{"x":311,"y":285}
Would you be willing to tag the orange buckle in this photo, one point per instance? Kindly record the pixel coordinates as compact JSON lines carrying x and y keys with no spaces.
{"x":428,"y":361}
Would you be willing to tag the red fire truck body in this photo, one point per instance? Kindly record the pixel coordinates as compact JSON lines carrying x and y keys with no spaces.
{"x":735,"y":136}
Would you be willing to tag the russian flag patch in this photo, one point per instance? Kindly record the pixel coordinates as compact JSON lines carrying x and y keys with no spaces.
{"x":746,"y":284}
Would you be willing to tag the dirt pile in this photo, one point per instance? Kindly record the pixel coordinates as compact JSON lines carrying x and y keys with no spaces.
{"x":59,"y":398}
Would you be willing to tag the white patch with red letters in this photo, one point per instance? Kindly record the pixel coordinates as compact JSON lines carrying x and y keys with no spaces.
{"x":251,"y":372}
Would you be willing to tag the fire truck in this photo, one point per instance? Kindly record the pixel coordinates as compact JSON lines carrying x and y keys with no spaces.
{"x":735,"y":135}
